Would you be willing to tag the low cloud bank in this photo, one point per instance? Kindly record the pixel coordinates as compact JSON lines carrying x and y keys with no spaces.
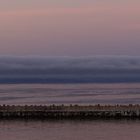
{"x":96,"y":69}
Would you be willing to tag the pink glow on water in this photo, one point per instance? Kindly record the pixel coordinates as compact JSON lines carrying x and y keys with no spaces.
{"x":70,"y":130}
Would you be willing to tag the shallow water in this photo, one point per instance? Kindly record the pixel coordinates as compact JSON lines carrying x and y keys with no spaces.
{"x":70,"y":130}
{"x":70,"y":93}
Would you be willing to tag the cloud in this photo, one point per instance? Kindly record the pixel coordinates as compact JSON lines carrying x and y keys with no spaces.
{"x":35,"y":69}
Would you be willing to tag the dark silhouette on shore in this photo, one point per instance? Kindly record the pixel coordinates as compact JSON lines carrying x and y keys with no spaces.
{"x":69,"y":112}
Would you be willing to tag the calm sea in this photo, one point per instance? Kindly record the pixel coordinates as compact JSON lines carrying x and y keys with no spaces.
{"x":70,"y":94}
{"x":70,"y":130}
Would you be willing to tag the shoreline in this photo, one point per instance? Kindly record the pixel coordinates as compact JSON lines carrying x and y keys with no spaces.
{"x":70,"y":111}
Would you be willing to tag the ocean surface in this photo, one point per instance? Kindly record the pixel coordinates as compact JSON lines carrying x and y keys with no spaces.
{"x":70,"y":94}
{"x":70,"y":130}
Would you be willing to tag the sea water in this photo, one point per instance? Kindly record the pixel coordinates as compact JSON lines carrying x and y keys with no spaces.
{"x":46,"y":94}
{"x":20,"y":94}
{"x":70,"y":130}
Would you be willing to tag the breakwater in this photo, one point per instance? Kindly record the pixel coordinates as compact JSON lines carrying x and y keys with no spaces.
{"x":70,"y":112}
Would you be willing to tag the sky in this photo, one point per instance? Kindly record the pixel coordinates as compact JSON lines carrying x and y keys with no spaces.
{"x":70,"y":27}
{"x":69,"y":41}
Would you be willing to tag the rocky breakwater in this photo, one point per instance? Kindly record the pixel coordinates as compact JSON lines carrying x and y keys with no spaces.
{"x":69,"y":111}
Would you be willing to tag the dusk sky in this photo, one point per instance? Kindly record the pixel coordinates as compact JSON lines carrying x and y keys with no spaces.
{"x":69,"y":27}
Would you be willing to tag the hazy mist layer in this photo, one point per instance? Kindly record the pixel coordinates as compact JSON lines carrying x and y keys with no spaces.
{"x":96,"y":69}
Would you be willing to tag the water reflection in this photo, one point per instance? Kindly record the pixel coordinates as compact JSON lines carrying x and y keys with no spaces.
{"x":70,"y":94}
{"x":70,"y":130}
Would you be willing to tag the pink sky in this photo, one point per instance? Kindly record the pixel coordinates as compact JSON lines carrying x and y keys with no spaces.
{"x":69,"y":28}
